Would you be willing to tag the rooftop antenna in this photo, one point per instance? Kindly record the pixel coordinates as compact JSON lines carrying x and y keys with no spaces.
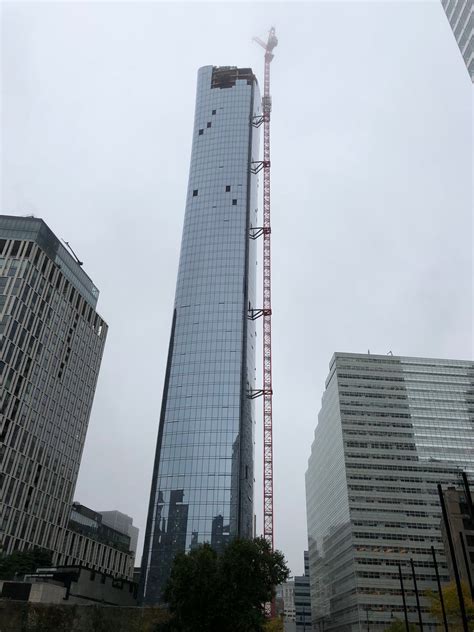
{"x":76,"y":258}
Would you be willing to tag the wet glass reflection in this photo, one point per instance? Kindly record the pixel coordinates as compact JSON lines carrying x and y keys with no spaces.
{"x":202,"y":489}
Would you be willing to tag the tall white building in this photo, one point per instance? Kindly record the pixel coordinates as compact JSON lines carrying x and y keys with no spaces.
{"x":390,"y":428}
{"x":461,"y":19}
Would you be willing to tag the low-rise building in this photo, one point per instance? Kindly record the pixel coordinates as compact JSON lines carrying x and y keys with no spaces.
{"x":90,"y":543}
{"x":71,"y":584}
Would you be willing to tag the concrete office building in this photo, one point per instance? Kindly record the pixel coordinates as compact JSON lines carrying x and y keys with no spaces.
{"x":390,"y":428}
{"x":202,"y":485}
{"x":461,"y":20}
{"x":285,"y":602}
{"x":123,"y":523}
{"x":51,"y":346}
{"x":302,"y":599}
{"x":462,"y":528}
{"x":293,"y":601}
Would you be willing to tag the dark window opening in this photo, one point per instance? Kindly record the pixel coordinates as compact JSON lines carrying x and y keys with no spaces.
{"x":209,"y":124}
{"x":234,"y":202}
{"x":227,"y":188}
{"x":15,"y":248}
{"x":213,"y":111}
{"x":195,"y":192}
{"x":201,"y":132}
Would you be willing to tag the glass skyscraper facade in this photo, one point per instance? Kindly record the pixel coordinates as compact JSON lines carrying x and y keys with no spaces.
{"x":202,"y":485}
{"x":390,"y":428}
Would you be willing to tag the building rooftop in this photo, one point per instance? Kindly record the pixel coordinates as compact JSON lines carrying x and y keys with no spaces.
{"x":36,"y":229}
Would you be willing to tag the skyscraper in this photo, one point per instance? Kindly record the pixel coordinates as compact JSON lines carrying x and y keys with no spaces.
{"x":202,"y":485}
{"x":461,"y":19}
{"x":390,"y":428}
{"x":51,"y":346}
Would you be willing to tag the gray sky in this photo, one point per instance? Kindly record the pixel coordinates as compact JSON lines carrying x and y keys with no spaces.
{"x":371,"y":198}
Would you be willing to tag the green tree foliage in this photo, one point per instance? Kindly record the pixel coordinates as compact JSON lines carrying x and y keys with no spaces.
{"x":21,"y":562}
{"x":451,"y":605}
{"x":274,"y":625}
{"x":207,"y":592}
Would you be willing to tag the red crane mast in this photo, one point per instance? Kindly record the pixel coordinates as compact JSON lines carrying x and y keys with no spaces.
{"x":266,"y":311}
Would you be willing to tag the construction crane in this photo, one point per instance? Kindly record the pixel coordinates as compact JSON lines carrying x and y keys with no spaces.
{"x":266,"y":312}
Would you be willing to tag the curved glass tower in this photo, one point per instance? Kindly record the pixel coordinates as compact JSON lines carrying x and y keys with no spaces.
{"x":202,"y":486}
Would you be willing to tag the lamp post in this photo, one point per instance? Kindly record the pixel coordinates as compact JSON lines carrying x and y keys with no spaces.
{"x":403,"y":597}
{"x":415,"y":586}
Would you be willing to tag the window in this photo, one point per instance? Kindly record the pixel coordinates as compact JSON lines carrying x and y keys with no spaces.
{"x":209,"y":124}
{"x":234,"y":202}
{"x":201,"y":132}
{"x":195,"y":192}
{"x":227,"y":188}
{"x":213,"y":111}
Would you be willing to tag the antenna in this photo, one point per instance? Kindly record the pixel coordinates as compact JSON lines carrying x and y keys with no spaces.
{"x":76,"y":258}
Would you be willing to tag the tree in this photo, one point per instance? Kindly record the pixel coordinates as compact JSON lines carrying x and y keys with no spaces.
{"x":451,"y":605}
{"x":192,"y":590}
{"x":274,"y":625}
{"x":22,"y":562}
{"x":207,"y":592}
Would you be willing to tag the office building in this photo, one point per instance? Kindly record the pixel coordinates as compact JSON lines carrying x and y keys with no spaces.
{"x":293,"y":601}
{"x":52,"y":340}
{"x":390,"y":428}
{"x":202,"y":484}
{"x":123,"y":523}
{"x":285,"y":599}
{"x":90,"y":522}
{"x":461,"y":20}
{"x":462,"y":533}
{"x":89,"y":542}
{"x":302,"y":599}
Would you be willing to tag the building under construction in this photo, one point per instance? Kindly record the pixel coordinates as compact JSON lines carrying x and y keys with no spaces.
{"x":202,"y":484}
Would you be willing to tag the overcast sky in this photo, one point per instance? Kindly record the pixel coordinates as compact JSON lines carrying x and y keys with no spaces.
{"x":371,"y":198}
